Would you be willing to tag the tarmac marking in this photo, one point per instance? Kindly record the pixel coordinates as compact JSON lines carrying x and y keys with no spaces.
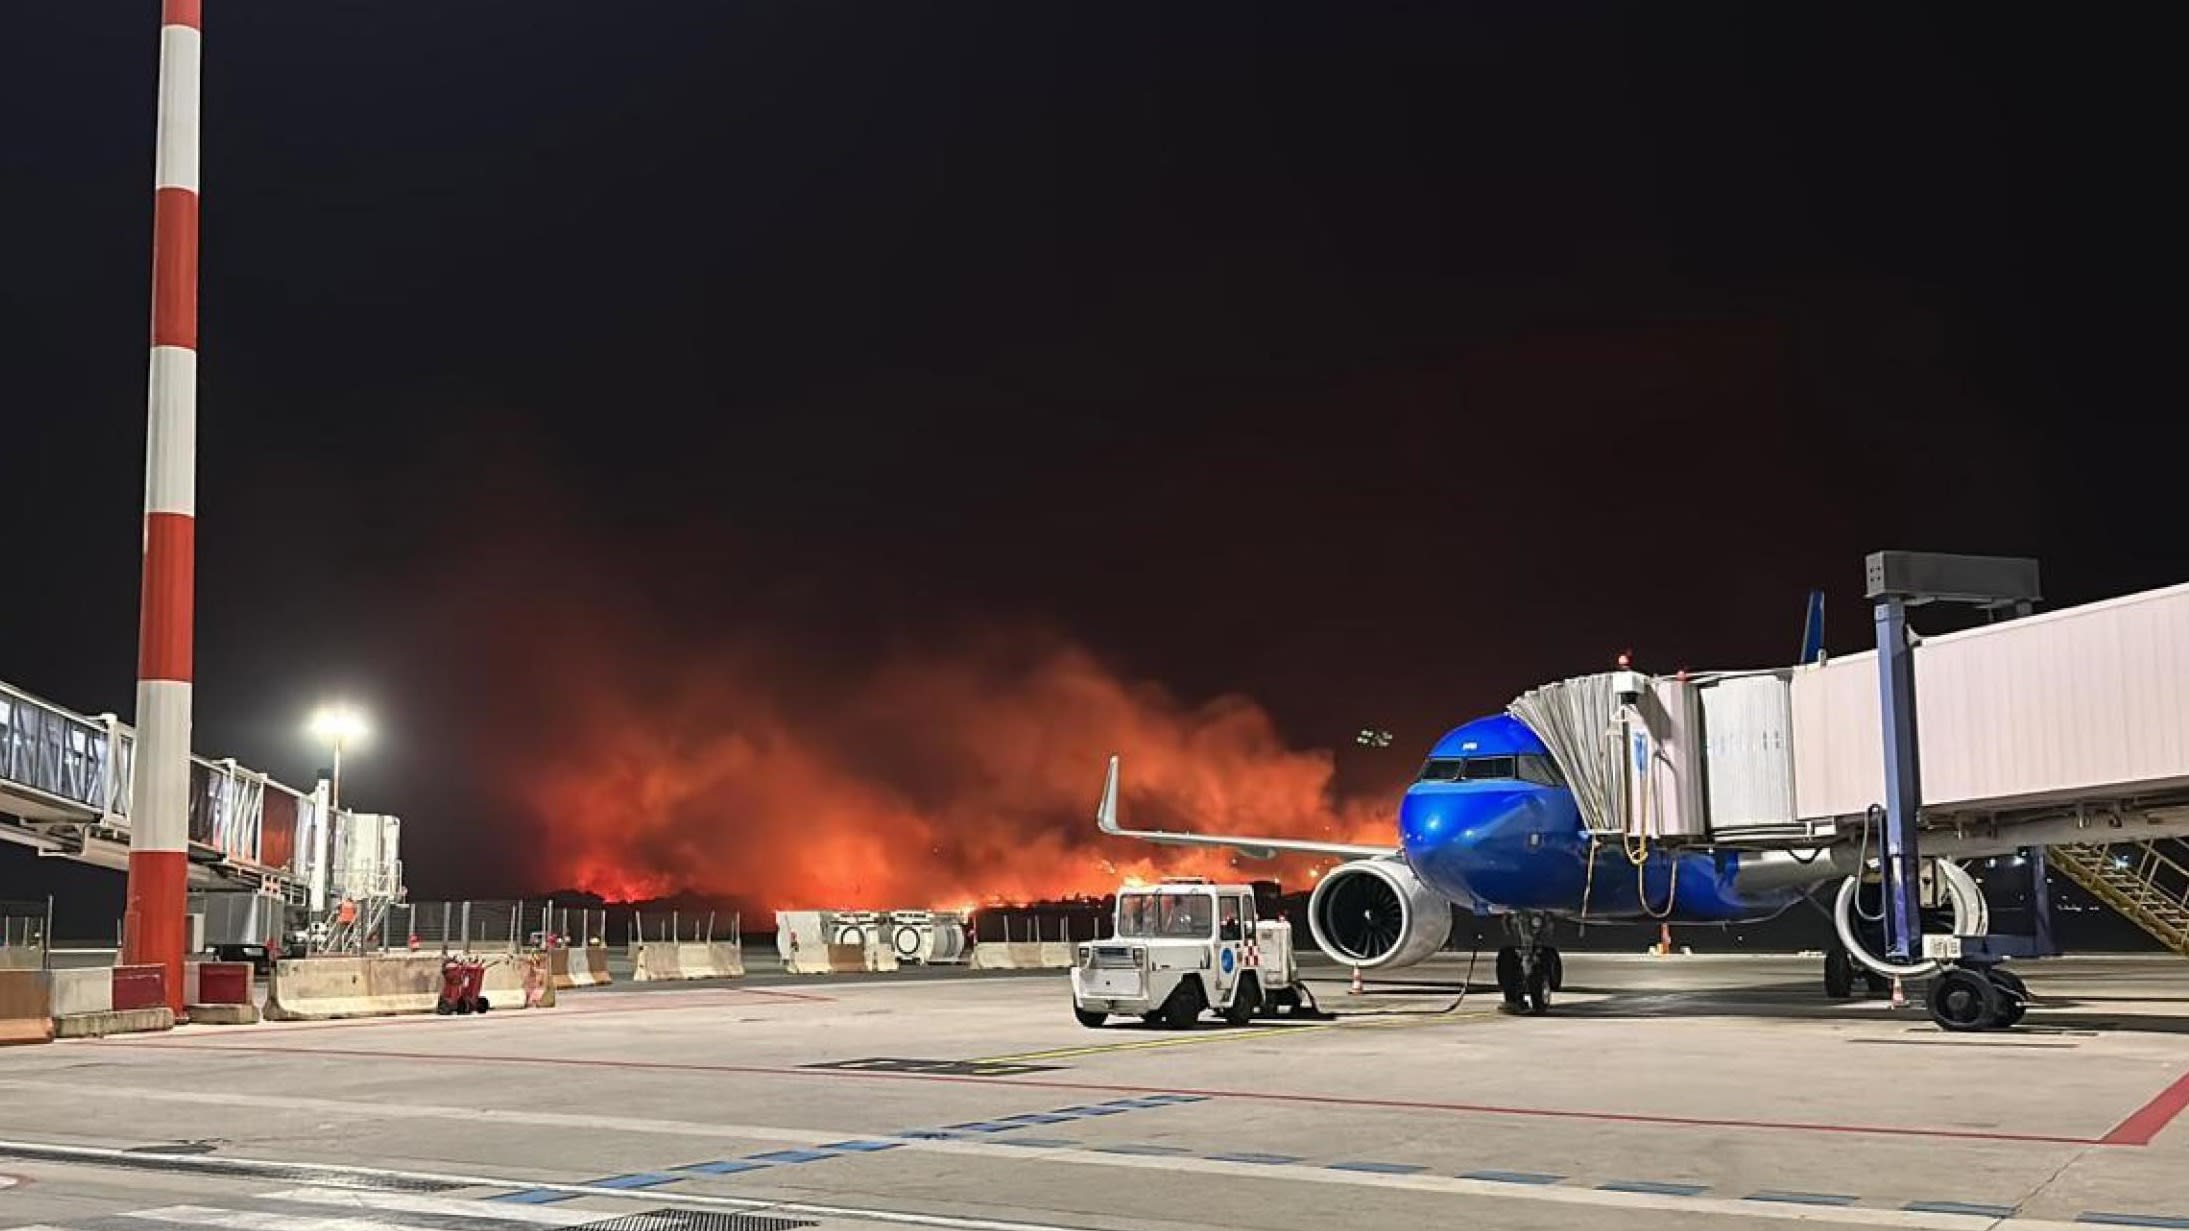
{"x":410,"y":1203}
{"x":2151,"y":1119}
{"x":1941,"y":1219}
{"x":1397,"y":1022}
{"x":2129,"y":1133}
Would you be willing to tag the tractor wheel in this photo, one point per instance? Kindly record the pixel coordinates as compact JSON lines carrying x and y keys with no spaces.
{"x":1245,"y":1002}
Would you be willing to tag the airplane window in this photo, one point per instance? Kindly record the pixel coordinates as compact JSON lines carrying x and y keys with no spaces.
{"x":1543,"y":770}
{"x":1441,"y":769}
{"x":1482,"y":768}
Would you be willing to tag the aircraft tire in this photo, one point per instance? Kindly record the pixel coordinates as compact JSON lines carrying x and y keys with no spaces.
{"x":1839,"y":973}
{"x":1539,"y":990}
{"x":1555,"y":962}
{"x":1511,"y":982}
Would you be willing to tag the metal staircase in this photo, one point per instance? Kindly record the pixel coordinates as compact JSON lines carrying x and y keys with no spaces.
{"x":348,"y":938}
{"x":2142,"y":880}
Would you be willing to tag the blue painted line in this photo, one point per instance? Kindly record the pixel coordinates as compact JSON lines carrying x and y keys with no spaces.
{"x":1134,"y":1148}
{"x":1512,"y":1177}
{"x":1104,"y":1109}
{"x":1038,"y":1143}
{"x":1378,"y":1168}
{"x":1959,"y":1207}
{"x":1800,"y":1198}
{"x":986,"y":1126}
{"x":2132,"y":1220}
{"x":727,"y":1166}
{"x":644,"y":1179}
{"x":1176,"y":1098}
{"x":1652,"y":1186}
{"x":534,"y":1196}
{"x":862,"y":1147}
{"x":1036,"y":1117}
{"x":791,"y":1156}
{"x":1266,"y":1160}
{"x":931,"y":1134}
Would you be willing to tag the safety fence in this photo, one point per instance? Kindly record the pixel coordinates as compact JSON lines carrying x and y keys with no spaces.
{"x":24,"y":928}
{"x":676,"y":927}
{"x":486,"y":926}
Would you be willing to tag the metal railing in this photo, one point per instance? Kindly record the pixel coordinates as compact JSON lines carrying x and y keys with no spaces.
{"x":500,"y":925}
{"x":25,"y":929}
{"x":672,"y":927}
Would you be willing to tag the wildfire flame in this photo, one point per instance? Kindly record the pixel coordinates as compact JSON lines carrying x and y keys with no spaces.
{"x":927,"y":781}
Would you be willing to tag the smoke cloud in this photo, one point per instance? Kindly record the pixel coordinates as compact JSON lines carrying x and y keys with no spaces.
{"x":929,"y":780}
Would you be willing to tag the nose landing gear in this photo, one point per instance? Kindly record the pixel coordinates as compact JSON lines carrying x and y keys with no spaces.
{"x":1528,"y":970}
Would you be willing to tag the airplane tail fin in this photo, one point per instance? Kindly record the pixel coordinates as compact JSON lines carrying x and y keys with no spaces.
{"x":1812,"y":630}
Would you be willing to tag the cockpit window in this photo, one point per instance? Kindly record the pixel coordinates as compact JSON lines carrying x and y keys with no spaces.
{"x":1527,"y":767}
{"x":1541,"y":770}
{"x":1484,"y":768}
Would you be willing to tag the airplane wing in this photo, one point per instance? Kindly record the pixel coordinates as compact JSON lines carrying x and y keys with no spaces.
{"x":1252,"y":848}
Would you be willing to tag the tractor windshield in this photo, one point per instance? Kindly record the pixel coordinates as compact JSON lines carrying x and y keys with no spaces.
{"x":1173,"y":916}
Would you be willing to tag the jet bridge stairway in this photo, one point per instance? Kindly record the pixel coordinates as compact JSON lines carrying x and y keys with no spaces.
{"x":2147,"y":882}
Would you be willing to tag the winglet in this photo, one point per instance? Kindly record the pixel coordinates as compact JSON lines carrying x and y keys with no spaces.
{"x":1106,"y":811}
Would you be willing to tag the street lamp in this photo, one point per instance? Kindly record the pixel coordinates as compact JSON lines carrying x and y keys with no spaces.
{"x":337,"y":725}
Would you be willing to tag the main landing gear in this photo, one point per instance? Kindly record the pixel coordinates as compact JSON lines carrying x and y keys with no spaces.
{"x":1528,"y":970}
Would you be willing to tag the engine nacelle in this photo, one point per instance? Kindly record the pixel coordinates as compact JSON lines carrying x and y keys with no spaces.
{"x":1376,"y":913}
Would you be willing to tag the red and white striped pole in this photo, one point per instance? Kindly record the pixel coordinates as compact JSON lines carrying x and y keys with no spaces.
{"x":159,"y":794}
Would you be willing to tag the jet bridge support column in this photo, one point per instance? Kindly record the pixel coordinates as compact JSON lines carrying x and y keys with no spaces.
{"x":1903,"y":781}
{"x":1896,"y":581}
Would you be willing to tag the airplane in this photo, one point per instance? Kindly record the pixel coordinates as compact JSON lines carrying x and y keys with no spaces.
{"x":1491,"y":825}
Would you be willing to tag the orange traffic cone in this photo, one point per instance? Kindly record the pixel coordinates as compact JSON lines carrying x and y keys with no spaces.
{"x":1356,"y":989}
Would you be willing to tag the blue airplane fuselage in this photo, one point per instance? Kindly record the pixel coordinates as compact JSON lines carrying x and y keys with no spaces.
{"x":1500,"y":834}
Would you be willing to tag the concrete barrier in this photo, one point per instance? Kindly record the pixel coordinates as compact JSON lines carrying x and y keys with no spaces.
{"x":1022,"y":955}
{"x":589,"y":967}
{"x":585,"y":967}
{"x":661,"y":962}
{"x":322,"y":988}
{"x":101,"y":1000}
{"x":220,"y":993}
{"x":78,"y":992}
{"x":26,"y":1006}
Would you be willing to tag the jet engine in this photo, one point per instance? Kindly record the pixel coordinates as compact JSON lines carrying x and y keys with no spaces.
{"x":1376,"y":913}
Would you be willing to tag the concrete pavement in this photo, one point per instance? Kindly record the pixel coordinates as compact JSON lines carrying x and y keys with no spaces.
{"x":1662,"y":1093}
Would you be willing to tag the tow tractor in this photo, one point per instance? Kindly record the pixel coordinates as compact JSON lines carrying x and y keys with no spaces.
{"x":1182,"y":948}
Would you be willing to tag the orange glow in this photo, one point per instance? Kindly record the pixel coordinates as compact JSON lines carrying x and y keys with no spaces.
{"x":926,"y":779}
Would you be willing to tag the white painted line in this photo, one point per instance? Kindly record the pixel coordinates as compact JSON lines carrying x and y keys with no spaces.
{"x":469,"y":1115}
{"x":254,"y":1220}
{"x":215,"y":1165}
{"x":1555,"y":1194}
{"x":455,"y":1207}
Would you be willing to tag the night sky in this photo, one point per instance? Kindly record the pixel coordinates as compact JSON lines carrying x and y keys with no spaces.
{"x":861,"y":380}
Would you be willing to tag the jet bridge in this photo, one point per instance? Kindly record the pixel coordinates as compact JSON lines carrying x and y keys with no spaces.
{"x":2065,"y":729}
